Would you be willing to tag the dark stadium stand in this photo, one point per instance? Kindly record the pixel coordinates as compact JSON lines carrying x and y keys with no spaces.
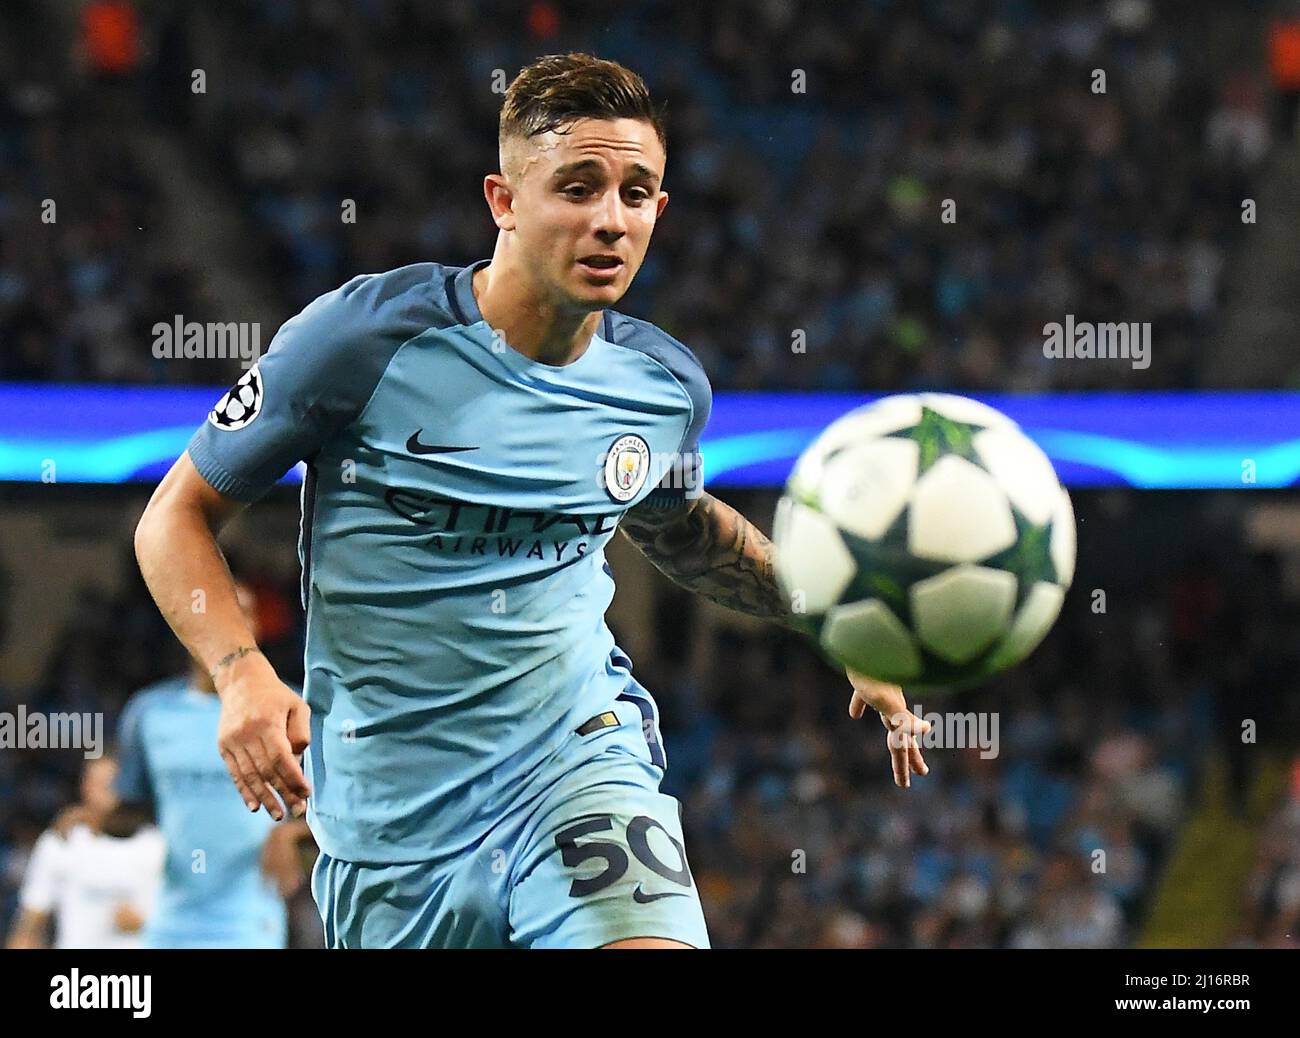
{"x":1066,"y":201}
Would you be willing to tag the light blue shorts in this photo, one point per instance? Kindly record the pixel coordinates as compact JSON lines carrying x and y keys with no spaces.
{"x":598,"y":857}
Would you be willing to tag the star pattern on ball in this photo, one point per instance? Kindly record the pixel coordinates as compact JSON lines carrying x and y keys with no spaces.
{"x":938,"y":573}
{"x":1030,"y":556}
{"x":887,"y":569}
{"x":936,"y":435}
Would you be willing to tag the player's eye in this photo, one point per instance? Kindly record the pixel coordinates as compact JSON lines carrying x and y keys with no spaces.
{"x":576,"y":191}
{"x":638,"y":195}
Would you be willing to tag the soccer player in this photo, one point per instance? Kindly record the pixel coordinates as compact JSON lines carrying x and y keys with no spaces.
{"x":484,"y":768}
{"x":97,"y":885}
{"x":227,"y":871}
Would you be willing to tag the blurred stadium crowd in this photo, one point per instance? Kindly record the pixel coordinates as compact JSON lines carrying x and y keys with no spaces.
{"x":796,"y":834}
{"x":1271,"y":915}
{"x":816,"y":211}
{"x":1105,"y":735}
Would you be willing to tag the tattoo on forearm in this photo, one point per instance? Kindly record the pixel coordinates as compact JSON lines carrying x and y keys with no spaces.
{"x":710,"y":548}
{"x":230,"y":657}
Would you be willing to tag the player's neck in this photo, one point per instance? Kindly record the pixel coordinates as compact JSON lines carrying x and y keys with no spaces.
{"x":535,"y":327}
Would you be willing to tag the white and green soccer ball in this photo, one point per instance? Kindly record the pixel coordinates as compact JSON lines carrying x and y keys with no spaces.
{"x":925,"y":540}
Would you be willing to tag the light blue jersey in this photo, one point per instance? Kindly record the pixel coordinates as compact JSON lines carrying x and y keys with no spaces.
{"x":457,"y":503}
{"x":213,"y":891}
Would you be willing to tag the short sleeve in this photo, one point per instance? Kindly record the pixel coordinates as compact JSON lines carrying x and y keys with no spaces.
{"x":685,"y":479}
{"x":40,"y":889}
{"x":133,"y":784}
{"x":319,"y":372}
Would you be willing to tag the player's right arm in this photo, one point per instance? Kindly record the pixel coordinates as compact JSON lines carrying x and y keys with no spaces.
{"x":321,"y":369}
{"x":29,"y":930}
{"x":264,"y":723}
{"x":39,"y":893}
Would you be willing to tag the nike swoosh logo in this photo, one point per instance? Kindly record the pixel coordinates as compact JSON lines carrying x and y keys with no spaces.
{"x":416,"y":447}
{"x":642,"y":898}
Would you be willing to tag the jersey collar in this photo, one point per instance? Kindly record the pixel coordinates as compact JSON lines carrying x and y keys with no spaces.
{"x":462,"y":293}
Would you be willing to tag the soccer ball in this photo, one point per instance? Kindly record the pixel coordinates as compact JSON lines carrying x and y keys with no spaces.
{"x":924,"y":540}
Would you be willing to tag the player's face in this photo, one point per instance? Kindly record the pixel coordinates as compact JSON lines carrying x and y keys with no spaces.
{"x":586,"y":205}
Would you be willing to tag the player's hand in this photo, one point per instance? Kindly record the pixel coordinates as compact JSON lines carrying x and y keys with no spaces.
{"x":126,"y":919}
{"x":280,"y":858}
{"x":263,"y":732}
{"x":69,"y":818}
{"x":904,"y":727}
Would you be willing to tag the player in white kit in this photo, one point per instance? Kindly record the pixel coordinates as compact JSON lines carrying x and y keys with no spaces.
{"x":96,"y":888}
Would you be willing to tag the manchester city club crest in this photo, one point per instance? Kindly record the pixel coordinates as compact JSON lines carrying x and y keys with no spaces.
{"x":627,"y":464}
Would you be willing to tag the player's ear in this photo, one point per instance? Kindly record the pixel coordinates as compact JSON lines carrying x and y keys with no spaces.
{"x":659,"y":205}
{"x":501,"y":200}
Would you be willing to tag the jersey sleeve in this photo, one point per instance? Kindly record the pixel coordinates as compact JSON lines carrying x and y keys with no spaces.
{"x":685,"y":479}
{"x":40,"y":889}
{"x":319,"y":372}
{"x":133,"y":783}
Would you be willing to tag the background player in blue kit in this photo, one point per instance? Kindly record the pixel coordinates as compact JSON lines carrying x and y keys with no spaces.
{"x":226,"y":872}
{"x":482,"y":769}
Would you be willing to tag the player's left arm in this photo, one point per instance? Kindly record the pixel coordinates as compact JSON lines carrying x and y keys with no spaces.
{"x":708,"y":547}
{"x":133,"y":790}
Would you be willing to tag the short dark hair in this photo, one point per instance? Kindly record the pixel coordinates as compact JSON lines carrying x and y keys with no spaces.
{"x":559,"y":89}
